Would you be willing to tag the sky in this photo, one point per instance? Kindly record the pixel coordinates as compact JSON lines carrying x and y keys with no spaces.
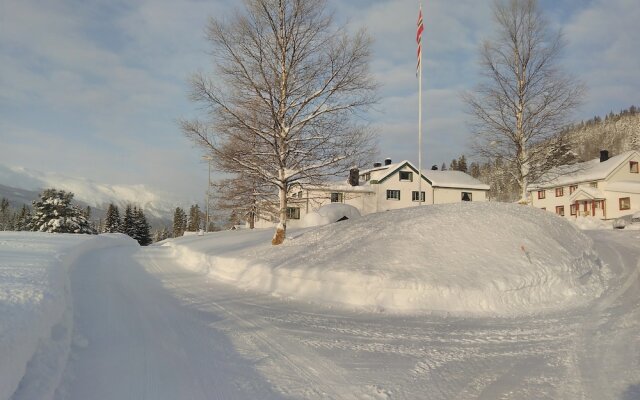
{"x":94,"y":88}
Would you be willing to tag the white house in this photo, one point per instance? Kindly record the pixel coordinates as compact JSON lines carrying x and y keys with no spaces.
{"x":605,"y":188}
{"x":387,"y":187}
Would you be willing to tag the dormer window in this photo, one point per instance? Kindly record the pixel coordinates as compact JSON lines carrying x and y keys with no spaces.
{"x":594,"y":185}
{"x":406,"y":176}
{"x":633,"y":167}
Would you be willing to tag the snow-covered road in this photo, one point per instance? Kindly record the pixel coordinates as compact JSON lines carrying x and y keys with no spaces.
{"x":145,"y":328}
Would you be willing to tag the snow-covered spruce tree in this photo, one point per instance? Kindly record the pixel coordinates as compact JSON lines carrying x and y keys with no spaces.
{"x":525,"y":99}
{"x":128,"y":226}
{"x":6,"y":216}
{"x":23,"y":219}
{"x":193,"y":223}
{"x":54,"y":213}
{"x":112,"y":221}
{"x":141,"y":227}
{"x":179,"y":222}
{"x":289,"y":87}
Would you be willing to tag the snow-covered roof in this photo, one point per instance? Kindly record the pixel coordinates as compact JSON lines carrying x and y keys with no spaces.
{"x":364,"y":187}
{"x":443,"y":179}
{"x":587,"y":171}
{"x":587,"y":192}
{"x":454,"y":179}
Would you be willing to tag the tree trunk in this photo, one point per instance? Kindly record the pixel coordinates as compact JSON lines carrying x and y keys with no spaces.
{"x":281,"y":229}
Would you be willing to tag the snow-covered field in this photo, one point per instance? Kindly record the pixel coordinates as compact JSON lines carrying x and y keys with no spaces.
{"x":456,"y":258}
{"x":213,"y":316}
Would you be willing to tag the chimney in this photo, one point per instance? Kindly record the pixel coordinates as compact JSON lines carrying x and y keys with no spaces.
{"x":387,"y":161}
{"x":354,"y":177}
{"x":377,"y":165}
{"x":604,"y":155}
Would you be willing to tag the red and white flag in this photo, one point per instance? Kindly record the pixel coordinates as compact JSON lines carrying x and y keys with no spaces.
{"x":419,"y":40}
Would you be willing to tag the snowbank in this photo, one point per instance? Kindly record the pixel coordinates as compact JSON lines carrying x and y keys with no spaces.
{"x":468,"y":258}
{"x":330,"y":213}
{"x":35,"y":308}
{"x":591,"y":223}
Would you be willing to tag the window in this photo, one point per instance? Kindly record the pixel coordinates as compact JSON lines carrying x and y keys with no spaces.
{"x":544,"y":208}
{"x":406,"y":176}
{"x":633,"y":167}
{"x":560,"y":210}
{"x":625,"y":203}
{"x":541,"y":194}
{"x":466,"y":196}
{"x":573,"y":209}
{"x":594,"y":184}
{"x":559,"y":192}
{"x":393,"y":195}
{"x":300,"y":194}
{"x":336,"y":197}
{"x":367,"y":177}
{"x":572,"y":188}
{"x":293,"y":212}
{"x":414,"y":196}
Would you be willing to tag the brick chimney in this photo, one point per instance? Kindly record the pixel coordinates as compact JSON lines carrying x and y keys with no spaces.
{"x":387,"y":161}
{"x":604,"y":155}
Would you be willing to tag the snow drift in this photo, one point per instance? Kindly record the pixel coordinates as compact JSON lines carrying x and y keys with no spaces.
{"x":330,"y":213}
{"x":35,"y":307}
{"x":468,"y":258}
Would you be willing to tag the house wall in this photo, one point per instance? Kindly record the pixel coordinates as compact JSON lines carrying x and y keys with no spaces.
{"x":454,"y":195}
{"x":550,"y":202}
{"x":612,"y":207}
{"x":406,"y":188}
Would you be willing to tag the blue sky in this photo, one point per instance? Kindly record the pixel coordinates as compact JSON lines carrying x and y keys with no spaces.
{"x":94,"y":88}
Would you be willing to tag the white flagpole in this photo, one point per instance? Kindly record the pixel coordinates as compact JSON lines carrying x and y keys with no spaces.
{"x":420,"y":121}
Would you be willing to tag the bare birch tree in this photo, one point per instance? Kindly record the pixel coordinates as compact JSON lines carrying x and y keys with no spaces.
{"x":284,"y":103}
{"x":525,"y":99}
{"x":246,"y":197}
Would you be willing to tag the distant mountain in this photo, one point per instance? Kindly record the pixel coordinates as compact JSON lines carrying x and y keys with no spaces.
{"x":21,"y":186}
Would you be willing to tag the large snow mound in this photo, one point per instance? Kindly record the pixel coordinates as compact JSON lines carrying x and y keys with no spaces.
{"x":467,"y":258}
{"x":35,"y":307}
{"x":330,"y":213}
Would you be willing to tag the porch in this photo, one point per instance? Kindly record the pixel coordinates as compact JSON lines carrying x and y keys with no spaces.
{"x":588,"y":202}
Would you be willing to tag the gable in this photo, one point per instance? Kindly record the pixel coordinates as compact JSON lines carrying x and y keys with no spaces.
{"x":399,"y":168}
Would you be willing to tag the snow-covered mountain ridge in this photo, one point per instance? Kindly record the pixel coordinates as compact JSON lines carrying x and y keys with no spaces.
{"x":97,"y":195}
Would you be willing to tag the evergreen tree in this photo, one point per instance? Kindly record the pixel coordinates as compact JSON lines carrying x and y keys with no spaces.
{"x":443,"y":167}
{"x":179,"y":222}
{"x":141,"y":227}
{"x":22,"y":221}
{"x":193,"y":224}
{"x":462,"y":163}
{"x":6,"y":217}
{"x":160,"y":234}
{"x":112,"y":222}
{"x":454,"y":165}
{"x":127,"y":226}
{"x":474,"y":170}
{"x":54,"y":213}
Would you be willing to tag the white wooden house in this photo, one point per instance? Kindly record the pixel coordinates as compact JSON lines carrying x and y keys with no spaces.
{"x":605,"y":188}
{"x":386,"y":187}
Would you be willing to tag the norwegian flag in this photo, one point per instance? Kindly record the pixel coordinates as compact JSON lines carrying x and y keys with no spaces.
{"x":419,"y":40}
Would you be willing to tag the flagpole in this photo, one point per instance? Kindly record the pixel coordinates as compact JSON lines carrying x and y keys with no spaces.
{"x":420,"y":120}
